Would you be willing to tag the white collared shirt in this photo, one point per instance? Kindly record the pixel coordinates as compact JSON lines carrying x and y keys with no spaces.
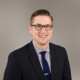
{"x":47,"y":55}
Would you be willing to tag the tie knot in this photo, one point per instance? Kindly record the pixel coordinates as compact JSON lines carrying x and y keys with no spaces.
{"x":43,"y":54}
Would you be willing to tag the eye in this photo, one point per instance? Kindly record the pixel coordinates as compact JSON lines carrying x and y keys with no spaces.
{"x":47,"y":26}
{"x":38,"y":25}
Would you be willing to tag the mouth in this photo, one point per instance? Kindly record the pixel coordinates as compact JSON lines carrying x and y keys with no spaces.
{"x":43,"y":36}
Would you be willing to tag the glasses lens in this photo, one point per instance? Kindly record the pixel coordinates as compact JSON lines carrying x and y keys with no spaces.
{"x":38,"y":27}
{"x":48,"y":27}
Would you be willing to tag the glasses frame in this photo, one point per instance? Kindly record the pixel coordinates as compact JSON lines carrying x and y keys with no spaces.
{"x":42,"y":27}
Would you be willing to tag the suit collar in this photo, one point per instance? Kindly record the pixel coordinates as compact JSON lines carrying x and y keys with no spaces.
{"x":53,"y":61}
{"x":35,"y":61}
{"x":36,"y":64}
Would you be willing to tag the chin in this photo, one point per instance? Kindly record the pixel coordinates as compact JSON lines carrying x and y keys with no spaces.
{"x":43,"y":43}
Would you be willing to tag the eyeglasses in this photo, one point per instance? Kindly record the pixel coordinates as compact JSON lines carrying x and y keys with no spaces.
{"x":39,"y":27}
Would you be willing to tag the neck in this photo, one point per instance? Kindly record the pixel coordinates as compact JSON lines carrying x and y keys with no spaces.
{"x":41,"y":46}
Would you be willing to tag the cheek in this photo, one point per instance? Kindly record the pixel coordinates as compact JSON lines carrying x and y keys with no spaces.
{"x":50,"y":34}
{"x":35,"y":34}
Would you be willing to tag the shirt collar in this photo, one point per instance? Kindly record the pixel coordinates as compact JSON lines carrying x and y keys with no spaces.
{"x":39,"y":50}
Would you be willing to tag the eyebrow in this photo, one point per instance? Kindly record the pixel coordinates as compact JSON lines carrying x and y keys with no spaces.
{"x":41,"y":24}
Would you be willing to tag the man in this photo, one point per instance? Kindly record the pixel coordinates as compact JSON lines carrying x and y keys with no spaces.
{"x":39,"y":59}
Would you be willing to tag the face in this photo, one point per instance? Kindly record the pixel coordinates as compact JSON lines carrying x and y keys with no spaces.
{"x":41,"y":37}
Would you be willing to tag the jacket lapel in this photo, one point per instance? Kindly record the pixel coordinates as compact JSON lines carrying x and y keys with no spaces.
{"x":35,"y":61}
{"x":53,"y":61}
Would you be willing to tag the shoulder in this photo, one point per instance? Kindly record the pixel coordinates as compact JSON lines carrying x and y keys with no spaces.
{"x":57,"y":46}
{"x":20,"y":51}
{"x":60,"y":50}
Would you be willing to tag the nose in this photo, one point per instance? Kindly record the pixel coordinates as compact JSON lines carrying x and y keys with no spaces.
{"x":43,"y":29}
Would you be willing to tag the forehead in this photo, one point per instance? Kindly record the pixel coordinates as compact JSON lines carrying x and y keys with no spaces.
{"x":42,"y":19}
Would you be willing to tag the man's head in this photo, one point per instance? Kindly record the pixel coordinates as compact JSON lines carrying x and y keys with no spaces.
{"x":41,"y":27}
{"x":40,"y":12}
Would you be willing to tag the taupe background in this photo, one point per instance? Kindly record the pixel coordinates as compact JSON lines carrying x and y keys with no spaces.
{"x":14,"y":28}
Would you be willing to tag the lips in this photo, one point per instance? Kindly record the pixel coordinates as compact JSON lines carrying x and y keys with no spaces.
{"x":43,"y":36}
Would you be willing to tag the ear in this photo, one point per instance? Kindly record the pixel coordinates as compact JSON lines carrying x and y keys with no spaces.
{"x":52,"y":29}
{"x":30,"y":29}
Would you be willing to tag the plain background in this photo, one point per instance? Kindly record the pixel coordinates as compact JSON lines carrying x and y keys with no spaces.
{"x":14,"y":28}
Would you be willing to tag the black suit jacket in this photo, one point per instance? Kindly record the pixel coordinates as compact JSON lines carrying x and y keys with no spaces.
{"x":23,"y":64}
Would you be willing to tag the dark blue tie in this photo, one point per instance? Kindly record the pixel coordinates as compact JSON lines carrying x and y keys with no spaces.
{"x":45,"y":66}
